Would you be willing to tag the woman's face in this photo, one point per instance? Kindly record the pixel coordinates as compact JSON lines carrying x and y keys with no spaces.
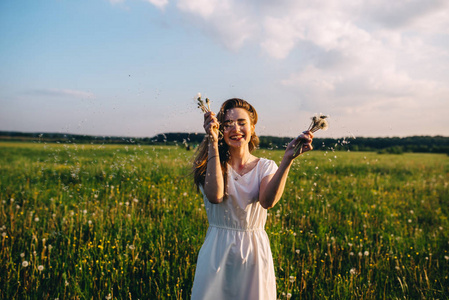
{"x":237,"y":127}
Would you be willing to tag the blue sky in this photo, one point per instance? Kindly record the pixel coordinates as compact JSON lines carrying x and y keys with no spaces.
{"x":133,"y":67}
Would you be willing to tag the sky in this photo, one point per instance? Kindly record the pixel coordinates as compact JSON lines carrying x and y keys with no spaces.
{"x":378,"y":68}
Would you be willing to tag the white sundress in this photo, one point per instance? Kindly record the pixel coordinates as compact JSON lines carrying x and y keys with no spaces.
{"x":235,"y":261}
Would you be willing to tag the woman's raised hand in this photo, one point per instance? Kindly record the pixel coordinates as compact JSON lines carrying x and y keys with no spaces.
{"x":306,"y":139}
{"x":211,"y":125}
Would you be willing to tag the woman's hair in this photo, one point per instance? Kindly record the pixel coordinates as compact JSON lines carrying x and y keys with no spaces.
{"x":201,"y":156}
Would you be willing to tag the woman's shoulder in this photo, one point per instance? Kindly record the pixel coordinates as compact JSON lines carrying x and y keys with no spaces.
{"x":267,"y":166}
{"x":265,"y":161}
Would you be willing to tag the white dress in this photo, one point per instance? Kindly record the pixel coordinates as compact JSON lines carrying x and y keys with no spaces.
{"x":235,"y":261}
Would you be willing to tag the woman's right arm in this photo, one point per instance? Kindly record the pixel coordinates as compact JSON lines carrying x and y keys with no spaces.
{"x":214,"y":183}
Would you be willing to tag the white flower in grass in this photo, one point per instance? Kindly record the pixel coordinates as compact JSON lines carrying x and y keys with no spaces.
{"x":289,"y":295}
{"x":366,"y":253}
{"x":25,"y":264}
{"x":22,"y":254}
{"x":66,"y":283}
{"x":36,"y":219}
{"x":446,"y":257}
{"x":292,"y":279}
{"x":353,"y":271}
{"x":40,"y":268}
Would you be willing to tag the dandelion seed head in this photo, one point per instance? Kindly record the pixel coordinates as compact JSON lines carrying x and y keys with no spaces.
{"x":352,"y":271}
{"x":25,"y":264}
{"x":22,"y":254}
{"x":40,"y":268}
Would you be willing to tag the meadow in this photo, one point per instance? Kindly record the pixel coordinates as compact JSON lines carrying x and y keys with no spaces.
{"x":125,"y":222}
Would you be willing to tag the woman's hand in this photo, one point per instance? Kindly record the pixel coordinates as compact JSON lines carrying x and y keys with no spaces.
{"x":306,"y":139}
{"x":211,"y":125}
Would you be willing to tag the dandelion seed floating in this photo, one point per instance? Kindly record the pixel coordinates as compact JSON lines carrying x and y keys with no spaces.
{"x":319,"y":122}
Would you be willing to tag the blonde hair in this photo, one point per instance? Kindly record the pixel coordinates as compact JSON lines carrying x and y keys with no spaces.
{"x":201,"y":156}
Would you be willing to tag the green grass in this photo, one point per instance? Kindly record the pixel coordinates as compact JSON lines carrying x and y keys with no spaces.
{"x":100,"y":222}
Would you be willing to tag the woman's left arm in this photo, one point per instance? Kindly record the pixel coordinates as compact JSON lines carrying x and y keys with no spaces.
{"x":272,"y":186}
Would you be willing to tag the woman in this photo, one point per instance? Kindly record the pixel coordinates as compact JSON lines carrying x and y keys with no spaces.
{"x":235,"y":261}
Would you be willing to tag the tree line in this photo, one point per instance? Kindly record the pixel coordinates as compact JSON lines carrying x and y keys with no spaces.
{"x":397,"y":145}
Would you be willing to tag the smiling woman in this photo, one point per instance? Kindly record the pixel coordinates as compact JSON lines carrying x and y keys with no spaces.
{"x":235,"y":261}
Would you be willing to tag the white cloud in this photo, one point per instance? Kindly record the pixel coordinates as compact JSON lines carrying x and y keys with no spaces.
{"x":158,"y":3}
{"x":228,"y":21}
{"x":62,"y":93}
{"x":371,"y":58}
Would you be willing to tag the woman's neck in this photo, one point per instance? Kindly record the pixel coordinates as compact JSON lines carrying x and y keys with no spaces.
{"x":239,"y":157}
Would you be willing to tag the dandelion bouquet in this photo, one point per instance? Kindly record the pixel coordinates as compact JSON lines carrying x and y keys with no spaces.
{"x":318,"y":122}
{"x":204,"y":105}
{"x":201,"y":104}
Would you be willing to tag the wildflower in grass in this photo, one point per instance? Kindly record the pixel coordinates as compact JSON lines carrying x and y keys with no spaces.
{"x":446,"y":257}
{"x":40,"y":268}
{"x":297,"y":251}
{"x":409,"y":220}
{"x":135,"y":200}
{"x":66,"y":283}
{"x":360,"y":254}
{"x":292,"y":279}
{"x":289,"y":295}
{"x":22,"y":254}
{"x":366,"y":253}
{"x":353,"y":271}
{"x":350,"y":244}
{"x":25,"y":264}
{"x":108,"y":296}
{"x":36,"y":219}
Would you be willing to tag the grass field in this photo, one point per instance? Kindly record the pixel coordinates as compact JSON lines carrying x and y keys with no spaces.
{"x":125,"y":222}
